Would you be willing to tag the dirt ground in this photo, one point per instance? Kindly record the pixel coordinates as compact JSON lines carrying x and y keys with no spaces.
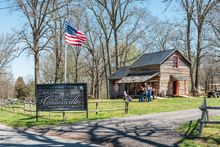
{"x":137,"y":131}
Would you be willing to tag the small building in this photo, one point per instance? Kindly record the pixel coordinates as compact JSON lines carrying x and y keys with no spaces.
{"x":214,"y":82}
{"x":167,"y":72}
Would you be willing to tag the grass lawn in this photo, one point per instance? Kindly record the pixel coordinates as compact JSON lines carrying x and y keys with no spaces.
{"x":135,"y":108}
{"x":210,"y":136}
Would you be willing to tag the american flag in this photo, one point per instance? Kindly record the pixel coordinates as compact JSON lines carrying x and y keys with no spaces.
{"x":73,"y":36}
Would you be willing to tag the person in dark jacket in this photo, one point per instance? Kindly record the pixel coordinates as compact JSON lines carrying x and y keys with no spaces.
{"x":141,"y":93}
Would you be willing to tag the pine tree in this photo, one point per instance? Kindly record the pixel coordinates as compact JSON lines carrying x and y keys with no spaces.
{"x":20,"y":88}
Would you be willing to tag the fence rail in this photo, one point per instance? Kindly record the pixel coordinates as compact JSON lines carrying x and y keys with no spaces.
{"x":29,"y":107}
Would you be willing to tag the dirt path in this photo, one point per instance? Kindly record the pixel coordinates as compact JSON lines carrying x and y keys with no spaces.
{"x":145,"y":130}
{"x":13,"y":137}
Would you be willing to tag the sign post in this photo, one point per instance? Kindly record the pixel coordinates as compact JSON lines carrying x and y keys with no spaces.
{"x":62,"y":97}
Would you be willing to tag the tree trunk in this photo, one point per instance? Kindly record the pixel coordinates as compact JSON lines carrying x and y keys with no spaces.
{"x":92,"y":77}
{"x":188,"y":46}
{"x":116,"y":49}
{"x":56,"y":55}
{"x":97,"y":80}
{"x":105,"y":68}
{"x":76,"y":69}
{"x":36,"y":70}
{"x":198,"y":55}
{"x":108,"y":56}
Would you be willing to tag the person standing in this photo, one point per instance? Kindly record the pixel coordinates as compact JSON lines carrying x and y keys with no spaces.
{"x":127,"y":97}
{"x":149,"y":91}
{"x":153,"y":93}
{"x":140,"y":93}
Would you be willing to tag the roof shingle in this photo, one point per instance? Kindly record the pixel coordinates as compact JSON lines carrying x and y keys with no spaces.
{"x":120,"y":73}
{"x":152,"y":58}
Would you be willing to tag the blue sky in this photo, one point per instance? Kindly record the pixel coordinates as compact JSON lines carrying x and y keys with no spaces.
{"x":24,"y":65}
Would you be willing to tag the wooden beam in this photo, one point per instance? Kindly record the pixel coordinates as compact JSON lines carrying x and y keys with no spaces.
{"x":210,"y":122}
{"x":212,"y":107}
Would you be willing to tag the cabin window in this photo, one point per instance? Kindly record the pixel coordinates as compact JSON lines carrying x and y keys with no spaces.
{"x":175,"y":61}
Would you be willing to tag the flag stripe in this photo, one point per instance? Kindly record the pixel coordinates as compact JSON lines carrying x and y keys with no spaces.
{"x":82,"y":38}
{"x":73,"y":36}
{"x":75,"y":44}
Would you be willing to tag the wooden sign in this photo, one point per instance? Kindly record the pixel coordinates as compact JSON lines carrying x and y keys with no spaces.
{"x":62,"y":97}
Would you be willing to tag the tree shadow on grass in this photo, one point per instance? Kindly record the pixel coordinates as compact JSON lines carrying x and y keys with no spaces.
{"x":204,"y":138}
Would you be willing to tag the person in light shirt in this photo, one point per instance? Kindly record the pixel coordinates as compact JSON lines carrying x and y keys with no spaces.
{"x":127,"y":97}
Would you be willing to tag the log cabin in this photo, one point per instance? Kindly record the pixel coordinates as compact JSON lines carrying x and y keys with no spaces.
{"x":167,"y":72}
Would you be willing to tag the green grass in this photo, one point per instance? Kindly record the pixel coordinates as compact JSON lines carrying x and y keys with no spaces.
{"x":209,"y":138}
{"x":135,"y":108}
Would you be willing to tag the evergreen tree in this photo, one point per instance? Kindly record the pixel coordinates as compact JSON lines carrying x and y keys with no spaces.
{"x":31,"y":89}
{"x":20,"y":88}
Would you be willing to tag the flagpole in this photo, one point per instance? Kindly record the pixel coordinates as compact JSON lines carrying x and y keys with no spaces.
{"x":65,"y":71}
{"x":65,"y":63}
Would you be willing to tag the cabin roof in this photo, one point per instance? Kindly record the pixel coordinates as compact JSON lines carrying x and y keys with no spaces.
{"x":120,"y":73}
{"x":155,"y":58}
{"x":138,"y":78}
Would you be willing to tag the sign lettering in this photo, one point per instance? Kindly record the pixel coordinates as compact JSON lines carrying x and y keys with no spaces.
{"x":62,"y":97}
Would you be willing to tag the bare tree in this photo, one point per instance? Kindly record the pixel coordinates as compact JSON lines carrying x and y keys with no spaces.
{"x":61,"y":12}
{"x":214,"y":32}
{"x":118,"y":13}
{"x":57,"y":30}
{"x":103,"y":21}
{"x":104,"y":36}
{"x":188,"y":7}
{"x":133,"y":40}
{"x":202,"y":10}
{"x":8,"y":51}
{"x":164,"y":35}
{"x":36,"y":13}
{"x":209,"y":68}
{"x":7,"y":89}
{"x":94,"y":57}
{"x":47,"y":69}
{"x":198,"y":12}
{"x":119,"y":23}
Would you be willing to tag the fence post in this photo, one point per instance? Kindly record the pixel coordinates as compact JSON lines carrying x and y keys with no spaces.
{"x":204,"y":116}
{"x":5,"y":104}
{"x":31,"y":108}
{"x":18,"y":106}
{"x":97,"y":104}
{"x":63,"y":116}
{"x":126,"y":107}
{"x":24,"y":107}
{"x":13,"y":105}
{"x":9,"y":106}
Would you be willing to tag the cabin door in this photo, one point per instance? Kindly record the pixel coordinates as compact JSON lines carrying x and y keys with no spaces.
{"x":175,"y":88}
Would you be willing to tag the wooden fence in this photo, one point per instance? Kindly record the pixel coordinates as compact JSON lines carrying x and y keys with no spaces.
{"x":28,"y":107}
{"x":205,"y":116}
{"x":197,"y":129}
{"x":18,"y":106}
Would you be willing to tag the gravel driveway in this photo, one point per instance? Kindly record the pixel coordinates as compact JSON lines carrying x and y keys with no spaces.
{"x":14,"y":137}
{"x":140,"y":131}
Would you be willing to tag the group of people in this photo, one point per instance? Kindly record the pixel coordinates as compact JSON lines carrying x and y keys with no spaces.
{"x":145,"y":92}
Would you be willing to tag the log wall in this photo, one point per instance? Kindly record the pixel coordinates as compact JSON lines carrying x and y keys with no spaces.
{"x":166,"y":82}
